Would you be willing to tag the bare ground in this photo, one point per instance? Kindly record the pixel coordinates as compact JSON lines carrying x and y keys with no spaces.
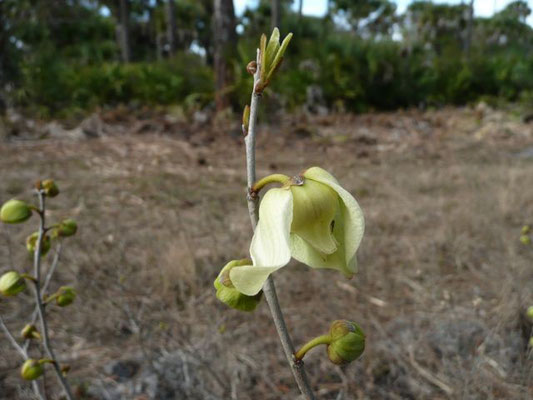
{"x":442,"y":287}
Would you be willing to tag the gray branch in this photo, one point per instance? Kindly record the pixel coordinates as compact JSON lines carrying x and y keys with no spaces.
{"x":269,"y":288}
{"x":22,"y":352}
{"x":40,"y":307}
{"x":47,"y":281}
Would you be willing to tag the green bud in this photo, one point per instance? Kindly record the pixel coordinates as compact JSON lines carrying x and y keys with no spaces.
{"x":31,"y":369}
{"x":31,"y":243}
{"x":529,"y":313}
{"x":65,"y":228}
{"x":50,"y":188}
{"x":271,"y":49}
{"x":347,"y":342}
{"x":246,"y":118}
{"x":65,"y":296}
{"x":525,"y":239}
{"x":314,"y":208}
{"x":279,"y":57}
{"x":30,"y":332}
{"x":526,"y":229}
{"x":230,"y":296}
{"x":11,"y":283}
{"x":271,"y":57}
{"x":14,"y":212}
{"x":262,"y":51}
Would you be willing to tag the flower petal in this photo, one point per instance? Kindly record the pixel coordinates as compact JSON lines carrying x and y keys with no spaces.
{"x":302,"y":251}
{"x":351,"y":213}
{"x":314,"y":207}
{"x":270,"y":245}
{"x":250,"y":280}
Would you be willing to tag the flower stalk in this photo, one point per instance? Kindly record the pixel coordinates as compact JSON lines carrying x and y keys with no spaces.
{"x":324,"y":339}
{"x":274,"y":178}
{"x":269,"y":288}
{"x":40,"y":306}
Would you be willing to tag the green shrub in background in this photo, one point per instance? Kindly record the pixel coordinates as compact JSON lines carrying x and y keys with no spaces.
{"x":53,"y":87}
{"x":358,"y":74}
{"x":66,"y":59}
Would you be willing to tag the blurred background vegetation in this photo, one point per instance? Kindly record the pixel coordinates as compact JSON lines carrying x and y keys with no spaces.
{"x":67,"y":57}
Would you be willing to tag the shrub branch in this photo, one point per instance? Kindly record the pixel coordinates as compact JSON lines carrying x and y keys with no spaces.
{"x":269,"y":288}
{"x":40,"y":307}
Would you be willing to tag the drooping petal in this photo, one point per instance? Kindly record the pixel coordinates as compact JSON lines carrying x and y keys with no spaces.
{"x":270,"y":244}
{"x":250,"y":280}
{"x":307,"y":254}
{"x":352,"y":215}
{"x":315,"y":206}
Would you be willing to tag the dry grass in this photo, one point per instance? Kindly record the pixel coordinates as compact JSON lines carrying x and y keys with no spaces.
{"x":443,"y":277}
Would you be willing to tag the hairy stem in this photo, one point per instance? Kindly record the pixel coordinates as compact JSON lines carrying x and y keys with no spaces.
{"x":40,"y":307}
{"x":269,"y":288}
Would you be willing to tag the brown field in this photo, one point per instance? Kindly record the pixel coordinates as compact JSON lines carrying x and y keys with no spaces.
{"x":443,"y":278}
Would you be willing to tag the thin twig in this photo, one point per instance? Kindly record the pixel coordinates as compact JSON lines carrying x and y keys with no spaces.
{"x":12,"y":339}
{"x":47,"y":281}
{"x":40,"y":307}
{"x":8,"y":245}
{"x":52,"y":269}
{"x":269,"y":288}
{"x":428,"y":375}
{"x":22,"y":352}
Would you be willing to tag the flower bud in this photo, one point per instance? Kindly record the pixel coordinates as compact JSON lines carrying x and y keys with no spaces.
{"x":30,"y":332}
{"x":31,"y":243}
{"x":246,"y":118}
{"x":65,"y":369}
{"x":50,"y":188}
{"x":31,"y":369}
{"x":11,"y":283}
{"x":251,"y":67}
{"x":65,"y":296}
{"x":230,"y":296}
{"x":314,"y":208}
{"x":14,"y":212}
{"x":67,"y":227}
{"x":525,"y":239}
{"x":529,"y":313}
{"x":526,"y":229}
{"x":347,"y":342}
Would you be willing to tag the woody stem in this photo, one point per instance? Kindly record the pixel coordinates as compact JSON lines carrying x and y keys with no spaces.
{"x":269,"y":288}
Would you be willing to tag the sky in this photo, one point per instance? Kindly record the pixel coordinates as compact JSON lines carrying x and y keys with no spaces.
{"x":482,"y":8}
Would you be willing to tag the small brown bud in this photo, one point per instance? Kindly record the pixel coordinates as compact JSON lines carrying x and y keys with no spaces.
{"x":251,"y":67}
{"x":65,"y":369}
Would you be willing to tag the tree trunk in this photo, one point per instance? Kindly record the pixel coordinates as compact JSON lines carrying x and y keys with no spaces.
{"x":171,"y":27}
{"x":225,"y":41}
{"x":275,"y":14}
{"x":123,"y":31}
{"x":300,"y":9}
